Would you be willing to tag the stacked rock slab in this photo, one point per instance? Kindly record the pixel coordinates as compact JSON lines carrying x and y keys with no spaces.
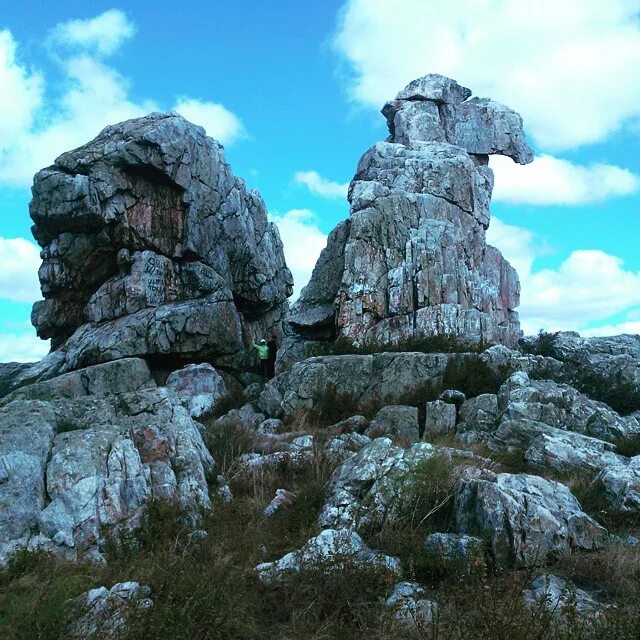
{"x":151,"y":246}
{"x":412,"y":259}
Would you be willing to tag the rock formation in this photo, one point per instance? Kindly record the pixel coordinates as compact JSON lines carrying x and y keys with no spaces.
{"x":151,"y":247}
{"x":412,"y":260}
{"x":81,"y":454}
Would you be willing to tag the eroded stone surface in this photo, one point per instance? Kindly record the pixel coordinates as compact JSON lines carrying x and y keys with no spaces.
{"x":524,"y":518}
{"x":330,"y":550}
{"x":86,"y":464}
{"x":412,"y":259}
{"x":152,"y":247}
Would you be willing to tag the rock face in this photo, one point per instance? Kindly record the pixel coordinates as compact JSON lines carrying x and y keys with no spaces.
{"x":378,"y":482}
{"x":412,"y":260}
{"x":151,"y":247}
{"x":106,"y":613}
{"x":607,"y":367}
{"x":563,"y":600}
{"x":525,"y":518}
{"x":78,"y":465}
{"x":364,"y":379}
{"x":330,"y":550}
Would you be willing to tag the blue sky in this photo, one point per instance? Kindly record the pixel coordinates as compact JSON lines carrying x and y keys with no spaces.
{"x":293,"y":90}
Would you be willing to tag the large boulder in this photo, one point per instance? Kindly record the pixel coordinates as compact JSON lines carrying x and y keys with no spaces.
{"x":119,"y":376}
{"x":398,"y":422}
{"x":607,"y":368}
{"x":330,"y":550}
{"x":524,"y":518}
{"x":375,"y":485}
{"x":562,"y":406}
{"x":563,"y":600}
{"x":152,"y":247}
{"x":78,"y":467}
{"x":364,"y":380}
{"x":412,"y":260}
{"x":199,"y":387}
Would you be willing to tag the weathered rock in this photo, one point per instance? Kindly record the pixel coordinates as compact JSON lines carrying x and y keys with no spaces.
{"x":397,"y":422}
{"x":478,"y":414}
{"x":283,"y":498}
{"x":410,"y":606}
{"x":621,"y":483}
{"x":562,"y":599}
{"x":440,"y":417}
{"x":610,"y":364}
{"x":412,"y":259}
{"x":435,"y":108}
{"x":330,"y":550}
{"x":504,"y":362}
{"x":345,"y":446}
{"x":106,"y":613}
{"x":523,"y":518}
{"x":453,"y":396}
{"x":367,"y":380}
{"x":456,"y":551}
{"x":246,"y":417}
{"x":120,"y":376}
{"x":27,"y":430}
{"x":373,"y":486}
{"x":561,"y":406}
{"x":270,"y":401}
{"x":9,"y":374}
{"x":270,"y":426}
{"x":152,"y":247}
{"x":199,"y":387}
{"x":75,"y":467}
{"x":352,"y":424}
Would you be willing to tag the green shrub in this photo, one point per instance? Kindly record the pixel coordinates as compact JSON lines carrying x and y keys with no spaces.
{"x":623,"y":398}
{"x":472,"y":376}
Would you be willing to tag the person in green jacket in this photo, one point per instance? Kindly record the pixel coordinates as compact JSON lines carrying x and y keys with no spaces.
{"x":262,"y":350}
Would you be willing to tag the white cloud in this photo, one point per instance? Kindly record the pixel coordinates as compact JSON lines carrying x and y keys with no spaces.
{"x":553,"y":181}
{"x":20,"y":95}
{"x":303,"y":241}
{"x":93,"y":95}
{"x":321,"y":186}
{"x":22,"y":347}
{"x":613,"y":329}
{"x":218,"y":121}
{"x":586,"y":289}
{"x":103,"y":34}
{"x":568,"y":66}
{"x":19,"y":263}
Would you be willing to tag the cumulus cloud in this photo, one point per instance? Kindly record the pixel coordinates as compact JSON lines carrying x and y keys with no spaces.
{"x":303,"y":241}
{"x":568,"y":66}
{"x":553,"y":181}
{"x":103,"y":34}
{"x":629,"y":326}
{"x":587,"y":289}
{"x":321,"y":186}
{"x":24,"y":346}
{"x":22,"y":92}
{"x":92,"y":95}
{"x":19,"y":263}
{"x":217,"y":120}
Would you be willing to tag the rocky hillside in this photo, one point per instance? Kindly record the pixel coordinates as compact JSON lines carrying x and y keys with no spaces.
{"x":427,"y":474}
